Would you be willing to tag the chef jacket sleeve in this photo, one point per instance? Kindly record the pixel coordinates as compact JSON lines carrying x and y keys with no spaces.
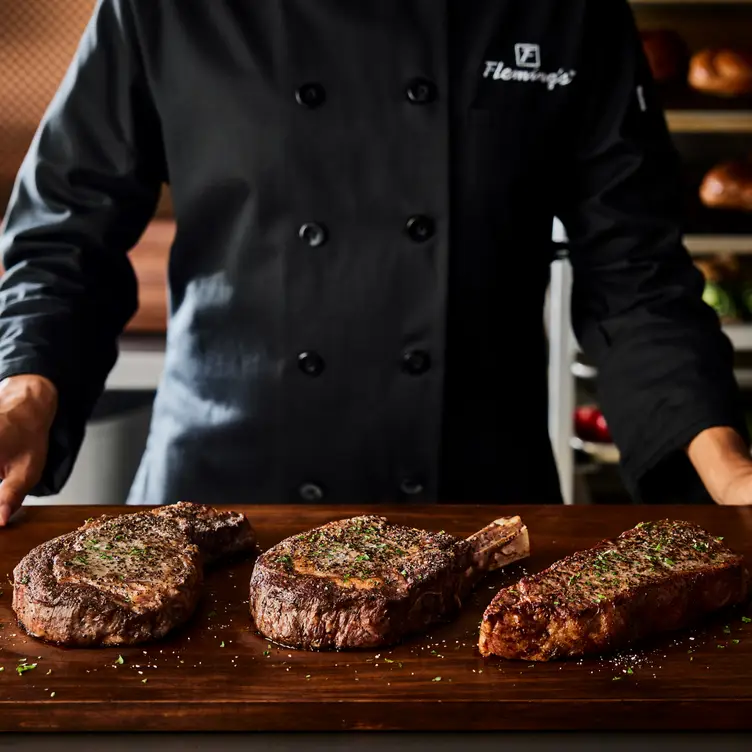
{"x":85,"y":192}
{"x":665,"y":367}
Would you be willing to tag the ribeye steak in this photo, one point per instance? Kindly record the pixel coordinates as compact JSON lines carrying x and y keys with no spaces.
{"x":126,"y":579}
{"x":656,"y":577}
{"x":364,"y":582}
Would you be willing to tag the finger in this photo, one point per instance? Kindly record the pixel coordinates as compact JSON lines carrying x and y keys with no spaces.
{"x":13,"y":490}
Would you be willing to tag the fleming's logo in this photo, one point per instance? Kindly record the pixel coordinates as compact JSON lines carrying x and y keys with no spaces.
{"x":527,"y":70}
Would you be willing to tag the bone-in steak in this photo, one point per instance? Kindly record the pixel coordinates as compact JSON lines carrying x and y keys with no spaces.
{"x":126,"y":579}
{"x":657,"y":577}
{"x":364,"y":582}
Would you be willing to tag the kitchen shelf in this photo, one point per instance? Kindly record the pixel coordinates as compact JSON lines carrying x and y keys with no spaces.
{"x":704,"y":121}
{"x":605,"y":454}
{"x":703,"y":245}
{"x":740,"y":336}
{"x":691,"y":2}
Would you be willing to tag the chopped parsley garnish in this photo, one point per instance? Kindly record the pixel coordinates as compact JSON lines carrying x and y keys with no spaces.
{"x":24,"y":667}
{"x":629,"y":671}
{"x":120,"y":660}
{"x":267,"y":653}
{"x":668,"y":562}
{"x":736,"y":642}
{"x":222,"y":644}
{"x":727,"y":630}
{"x":436,"y":678}
{"x":746,"y":619}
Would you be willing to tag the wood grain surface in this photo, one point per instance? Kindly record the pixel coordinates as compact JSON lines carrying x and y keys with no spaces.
{"x":216,"y":674}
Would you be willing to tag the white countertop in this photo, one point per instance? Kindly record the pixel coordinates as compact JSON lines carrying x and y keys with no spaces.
{"x":139,"y":366}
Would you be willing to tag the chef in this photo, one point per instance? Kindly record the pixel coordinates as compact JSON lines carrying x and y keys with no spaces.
{"x":364,"y":195}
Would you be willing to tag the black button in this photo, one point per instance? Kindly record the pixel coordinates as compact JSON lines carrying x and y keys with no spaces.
{"x":313,"y":234}
{"x":411,"y":487}
{"x":311,"y":363}
{"x":421,"y":91}
{"x":420,"y":228}
{"x":311,"y":492}
{"x":416,"y":362}
{"x":311,"y":95}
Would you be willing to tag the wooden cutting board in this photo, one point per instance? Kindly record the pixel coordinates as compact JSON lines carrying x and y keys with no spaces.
{"x":217,"y":674}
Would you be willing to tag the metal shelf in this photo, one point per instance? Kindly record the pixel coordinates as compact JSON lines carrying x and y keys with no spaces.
{"x":703,"y":245}
{"x":605,"y":454}
{"x":709,"y":121}
{"x":740,"y":336}
{"x":691,"y":2}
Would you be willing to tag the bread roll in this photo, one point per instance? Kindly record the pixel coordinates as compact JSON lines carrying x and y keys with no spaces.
{"x":721,"y":72}
{"x":666,"y":53}
{"x":728,"y":186}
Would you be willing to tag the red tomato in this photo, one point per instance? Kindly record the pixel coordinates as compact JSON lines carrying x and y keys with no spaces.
{"x":601,"y":430}
{"x":585,"y":420}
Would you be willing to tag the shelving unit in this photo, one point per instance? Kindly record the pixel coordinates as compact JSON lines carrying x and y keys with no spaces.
{"x":693,"y":118}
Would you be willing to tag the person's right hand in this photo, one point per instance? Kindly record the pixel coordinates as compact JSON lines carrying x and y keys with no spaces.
{"x":28,"y":404}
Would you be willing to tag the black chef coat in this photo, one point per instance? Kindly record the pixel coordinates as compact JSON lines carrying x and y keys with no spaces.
{"x":364,"y":194}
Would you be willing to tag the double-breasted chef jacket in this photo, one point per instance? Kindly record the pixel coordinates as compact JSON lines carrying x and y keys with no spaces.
{"x":364,"y":194}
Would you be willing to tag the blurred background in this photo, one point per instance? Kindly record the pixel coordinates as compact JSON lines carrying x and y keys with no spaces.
{"x":701,"y":56}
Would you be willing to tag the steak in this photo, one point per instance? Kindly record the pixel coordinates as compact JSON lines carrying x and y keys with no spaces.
{"x":127,"y":579}
{"x":657,"y":577}
{"x":365,"y":582}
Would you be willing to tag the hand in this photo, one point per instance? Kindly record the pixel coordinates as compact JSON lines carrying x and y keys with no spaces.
{"x":722,"y":460}
{"x":738,"y":491}
{"x":28,"y":404}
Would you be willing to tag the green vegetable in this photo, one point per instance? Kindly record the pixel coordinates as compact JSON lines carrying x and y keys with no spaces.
{"x":719,"y":300}
{"x":120,"y":660}
{"x":24,"y":667}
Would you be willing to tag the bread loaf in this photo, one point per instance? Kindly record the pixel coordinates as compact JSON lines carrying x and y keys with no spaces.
{"x":728,"y":186}
{"x":667,"y":54}
{"x":721,"y":72}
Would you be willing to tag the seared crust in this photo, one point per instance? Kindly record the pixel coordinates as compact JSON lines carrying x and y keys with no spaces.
{"x":123,"y":580}
{"x":317,"y":591}
{"x":654,"y":578}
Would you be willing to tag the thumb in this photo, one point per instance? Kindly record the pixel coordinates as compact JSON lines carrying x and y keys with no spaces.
{"x":13,"y":491}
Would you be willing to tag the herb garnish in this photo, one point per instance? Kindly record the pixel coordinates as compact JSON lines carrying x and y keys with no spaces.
{"x":436,"y":679}
{"x":746,"y":619}
{"x":120,"y":660}
{"x":24,"y":667}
